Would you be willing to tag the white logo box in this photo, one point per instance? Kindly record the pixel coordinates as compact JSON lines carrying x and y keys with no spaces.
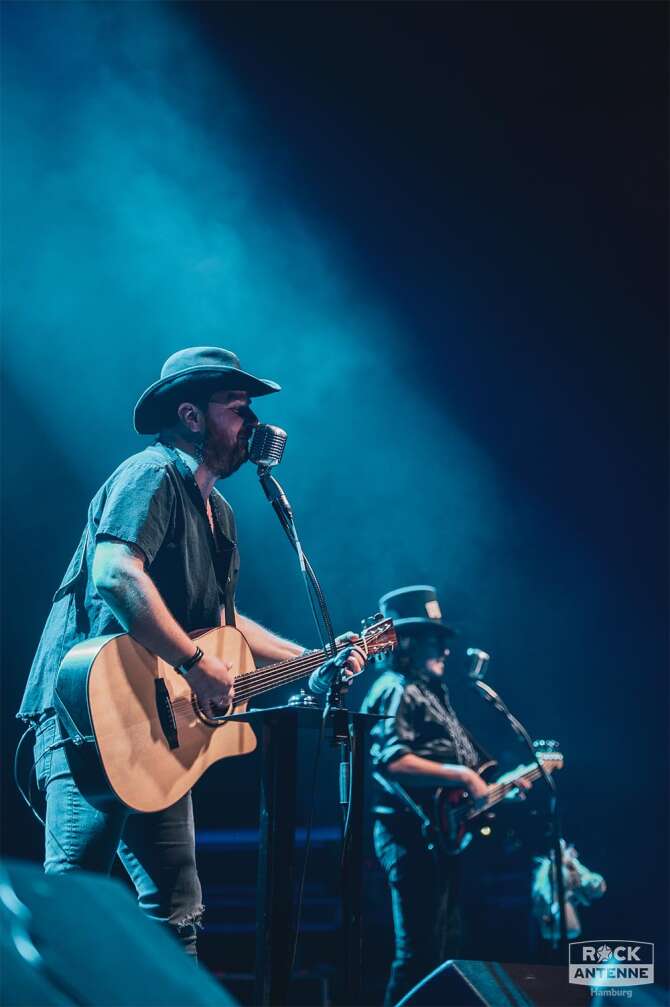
{"x":609,"y":963}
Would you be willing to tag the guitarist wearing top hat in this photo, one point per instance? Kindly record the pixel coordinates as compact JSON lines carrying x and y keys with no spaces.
{"x":157,"y":559}
{"x":419,"y":746}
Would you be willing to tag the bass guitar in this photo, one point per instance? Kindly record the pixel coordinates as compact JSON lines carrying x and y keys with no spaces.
{"x":136,"y":732}
{"x":456,"y":814}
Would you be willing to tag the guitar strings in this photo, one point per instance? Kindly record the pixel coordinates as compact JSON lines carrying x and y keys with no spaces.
{"x":315,"y":657}
{"x":362,"y":641}
{"x":264,"y":682}
{"x":267,"y":677}
{"x":243,"y":695}
{"x":497,"y":789}
{"x":240,"y":699}
{"x":274,"y":675}
{"x":298,"y":669}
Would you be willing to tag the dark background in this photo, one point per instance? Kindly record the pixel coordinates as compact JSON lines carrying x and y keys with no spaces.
{"x":489,"y":181}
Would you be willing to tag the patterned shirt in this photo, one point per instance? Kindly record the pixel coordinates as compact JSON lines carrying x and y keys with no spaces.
{"x":420,"y":720}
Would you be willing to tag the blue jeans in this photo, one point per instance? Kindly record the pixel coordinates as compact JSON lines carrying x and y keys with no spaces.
{"x":157,"y":850}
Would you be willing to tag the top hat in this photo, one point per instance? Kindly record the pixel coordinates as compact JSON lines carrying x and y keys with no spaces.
{"x":415,"y":609}
{"x":206,"y":367}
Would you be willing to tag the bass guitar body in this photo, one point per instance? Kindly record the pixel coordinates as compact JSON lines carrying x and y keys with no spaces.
{"x":456,"y":814}
{"x":151,"y":741}
{"x":454,"y":829}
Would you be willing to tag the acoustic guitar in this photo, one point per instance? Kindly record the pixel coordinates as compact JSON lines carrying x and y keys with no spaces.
{"x":137,"y":734}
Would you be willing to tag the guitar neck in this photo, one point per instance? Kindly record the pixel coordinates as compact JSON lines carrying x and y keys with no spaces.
{"x":255,"y":683}
{"x":499,"y":791}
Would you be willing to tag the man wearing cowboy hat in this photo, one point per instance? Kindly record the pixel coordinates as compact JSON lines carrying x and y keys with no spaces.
{"x":158,"y":559}
{"x":419,"y":746}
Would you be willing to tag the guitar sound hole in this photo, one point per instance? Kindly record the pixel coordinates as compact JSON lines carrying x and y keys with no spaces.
{"x":222,"y":711}
{"x":218,"y":711}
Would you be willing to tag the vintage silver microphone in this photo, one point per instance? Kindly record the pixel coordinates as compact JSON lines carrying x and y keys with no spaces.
{"x":479,"y":663}
{"x":266,"y":449}
{"x":267,"y":444}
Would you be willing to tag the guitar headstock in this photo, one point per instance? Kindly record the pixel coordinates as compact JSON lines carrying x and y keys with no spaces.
{"x":378,"y":635}
{"x":548,"y":754}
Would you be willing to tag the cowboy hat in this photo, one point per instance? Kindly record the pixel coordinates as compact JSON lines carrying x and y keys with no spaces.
{"x":196,"y":368}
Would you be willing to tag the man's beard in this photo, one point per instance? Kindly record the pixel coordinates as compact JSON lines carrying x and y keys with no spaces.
{"x":222,"y":459}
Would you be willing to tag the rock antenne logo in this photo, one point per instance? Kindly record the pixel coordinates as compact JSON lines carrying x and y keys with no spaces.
{"x":601,"y":964}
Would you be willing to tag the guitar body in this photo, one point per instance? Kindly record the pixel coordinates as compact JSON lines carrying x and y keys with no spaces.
{"x":152,"y":743}
{"x":454,"y":836}
{"x":454,"y":832}
{"x":455,"y":814}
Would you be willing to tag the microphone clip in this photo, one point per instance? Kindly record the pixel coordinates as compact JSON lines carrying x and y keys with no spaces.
{"x":273,"y":490}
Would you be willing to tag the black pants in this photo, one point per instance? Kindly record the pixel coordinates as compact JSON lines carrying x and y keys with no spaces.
{"x":424,"y":899}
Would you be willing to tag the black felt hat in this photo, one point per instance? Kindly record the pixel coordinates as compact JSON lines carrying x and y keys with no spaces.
{"x":415,"y":609}
{"x":198,"y":367}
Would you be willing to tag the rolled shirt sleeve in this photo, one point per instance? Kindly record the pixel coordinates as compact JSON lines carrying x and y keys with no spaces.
{"x":396,"y":734}
{"x":138,"y":507}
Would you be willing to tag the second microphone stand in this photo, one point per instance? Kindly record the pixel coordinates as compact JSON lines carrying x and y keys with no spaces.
{"x":491,"y":696}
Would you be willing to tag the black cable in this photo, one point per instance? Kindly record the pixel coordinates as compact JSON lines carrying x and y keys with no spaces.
{"x":26,"y":797}
{"x":33,"y":770}
{"x":325,"y":614}
{"x":308,"y":835}
{"x":346,"y":828}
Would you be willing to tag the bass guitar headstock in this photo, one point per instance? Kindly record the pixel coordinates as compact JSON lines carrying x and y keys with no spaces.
{"x":548,"y":754}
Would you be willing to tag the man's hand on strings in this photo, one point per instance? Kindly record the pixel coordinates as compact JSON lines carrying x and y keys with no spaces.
{"x":475,"y":785}
{"x":518,"y":793}
{"x":212,"y":681}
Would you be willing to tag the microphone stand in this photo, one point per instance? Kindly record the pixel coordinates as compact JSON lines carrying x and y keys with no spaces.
{"x":344,"y":733}
{"x":491,"y":696}
{"x":282,"y":508}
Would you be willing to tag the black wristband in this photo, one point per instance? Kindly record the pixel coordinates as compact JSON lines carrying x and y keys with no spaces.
{"x":184,"y":668}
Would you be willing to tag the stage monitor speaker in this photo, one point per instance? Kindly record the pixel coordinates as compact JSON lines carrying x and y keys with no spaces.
{"x":80,"y":938}
{"x":491,"y":984}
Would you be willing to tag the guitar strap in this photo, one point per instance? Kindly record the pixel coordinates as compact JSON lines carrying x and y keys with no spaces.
{"x":394,"y":789}
{"x":222,"y":559}
{"x":223,"y":566}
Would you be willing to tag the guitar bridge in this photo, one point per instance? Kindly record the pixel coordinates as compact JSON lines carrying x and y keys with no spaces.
{"x":166,"y":714}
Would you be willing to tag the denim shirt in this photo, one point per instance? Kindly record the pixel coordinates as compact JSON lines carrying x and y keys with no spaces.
{"x":153,"y":502}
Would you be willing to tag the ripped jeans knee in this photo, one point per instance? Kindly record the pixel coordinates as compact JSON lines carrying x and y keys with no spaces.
{"x":186,"y":930}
